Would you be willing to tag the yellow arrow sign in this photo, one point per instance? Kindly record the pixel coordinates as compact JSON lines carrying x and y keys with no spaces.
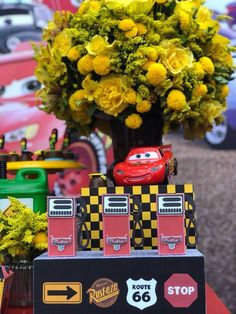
{"x":62,"y":292}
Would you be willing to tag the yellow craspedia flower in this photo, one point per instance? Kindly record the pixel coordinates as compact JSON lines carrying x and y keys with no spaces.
{"x":200,"y":90}
{"x":133,"y":121}
{"x":224,"y":91}
{"x":176,"y":100}
{"x":132,"y":33}
{"x":148,"y":64}
{"x":207,"y":65}
{"x":185,"y":20}
{"x":83,"y":8}
{"x":73,"y":54}
{"x":151,"y":53}
{"x":142,"y":29}
{"x":156,"y":74}
{"x":198,"y":70}
{"x":126,"y":25}
{"x":75,"y":97}
{"x":101,"y":65}
{"x":95,"y":5}
{"x":229,"y":61}
{"x":130,"y":96}
{"x":143,"y":106}
{"x":40,"y":241}
{"x":85,"y":64}
{"x":161,"y":1}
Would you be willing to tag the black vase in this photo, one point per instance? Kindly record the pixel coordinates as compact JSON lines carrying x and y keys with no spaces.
{"x":149,"y":134}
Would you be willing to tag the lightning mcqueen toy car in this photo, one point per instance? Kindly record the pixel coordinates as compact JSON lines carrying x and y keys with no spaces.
{"x":146,"y":165}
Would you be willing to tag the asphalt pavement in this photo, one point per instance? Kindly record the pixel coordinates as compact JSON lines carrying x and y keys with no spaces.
{"x":213,"y":174}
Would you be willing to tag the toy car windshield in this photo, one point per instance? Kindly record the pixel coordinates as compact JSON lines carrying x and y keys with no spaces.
{"x":148,"y":156}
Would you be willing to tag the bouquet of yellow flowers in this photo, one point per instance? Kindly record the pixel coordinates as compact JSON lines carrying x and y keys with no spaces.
{"x":23,"y":233}
{"x":126,"y":58}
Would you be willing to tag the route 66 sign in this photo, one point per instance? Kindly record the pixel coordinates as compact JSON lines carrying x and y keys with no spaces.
{"x":141,"y":293}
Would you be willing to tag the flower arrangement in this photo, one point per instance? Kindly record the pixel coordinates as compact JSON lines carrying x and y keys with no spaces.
{"x":22,"y":232}
{"x":126,"y":58}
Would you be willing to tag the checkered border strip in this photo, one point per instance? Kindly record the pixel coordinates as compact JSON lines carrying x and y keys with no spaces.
{"x":147,"y":195}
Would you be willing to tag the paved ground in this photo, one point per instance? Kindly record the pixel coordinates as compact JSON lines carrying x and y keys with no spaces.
{"x":213,"y":174}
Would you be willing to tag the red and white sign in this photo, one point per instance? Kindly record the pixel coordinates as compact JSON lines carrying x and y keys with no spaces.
{"x":116,"y":224}
{"x":181,"y":290}
{"x":170,"y":221}
{"x":62,"y":227}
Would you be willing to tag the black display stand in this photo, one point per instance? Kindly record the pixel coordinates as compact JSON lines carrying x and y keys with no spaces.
{"x":146,"y":282}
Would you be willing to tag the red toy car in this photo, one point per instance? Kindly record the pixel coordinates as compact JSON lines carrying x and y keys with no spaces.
{"x":146,"y":165}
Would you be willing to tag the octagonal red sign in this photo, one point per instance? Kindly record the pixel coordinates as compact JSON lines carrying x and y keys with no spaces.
{"x":181,"y":290}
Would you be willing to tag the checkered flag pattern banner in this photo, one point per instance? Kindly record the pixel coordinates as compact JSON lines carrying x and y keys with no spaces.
{"x":147,"y":196}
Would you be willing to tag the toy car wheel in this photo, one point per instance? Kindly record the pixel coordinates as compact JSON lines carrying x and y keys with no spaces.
{"x":166,"y":178}
{"x":175,"y":167}
{"x":13,"y":40}
{"x":222,"y":136}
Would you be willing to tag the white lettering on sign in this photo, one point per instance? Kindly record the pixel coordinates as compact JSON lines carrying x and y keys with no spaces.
{"x":178,"y":290}
{"x":141,"y":293}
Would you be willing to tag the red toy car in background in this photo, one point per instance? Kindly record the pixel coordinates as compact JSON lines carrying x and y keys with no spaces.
{"x":146,"y":165}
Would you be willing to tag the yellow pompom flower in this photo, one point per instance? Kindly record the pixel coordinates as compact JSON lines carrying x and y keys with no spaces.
{"x":126,"y":25}
{"x":224,"y":91}
{"x":207,"y":65}
{"x":132,"y":33}
{"x":200,"y":90}
{"x":176,"y":100}
{"x":151,"y":53}
{"x":73,"y":54}
{"x":83,"y":8}
{"x":95,"y":5}
{"x":184,"y":19}
{"x":143,"y":106}
{"x":130,"y":97}
{"x":40,"y":240}
{"x":133,"y":121}
{"x":101,"y":65}
{"x":142,"y":29}
{"x":148,"y":64}
{"x":85,"y":64}
{"x":156,"y":74}
{"x":75,"y":98}
{"x":198,"y":70}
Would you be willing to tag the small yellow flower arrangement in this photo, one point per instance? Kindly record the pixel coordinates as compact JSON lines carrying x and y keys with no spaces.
{"x":23,"y":233}
{"x":128,"y":58}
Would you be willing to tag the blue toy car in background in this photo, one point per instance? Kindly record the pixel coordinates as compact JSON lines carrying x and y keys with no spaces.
{"x":223,"y":136}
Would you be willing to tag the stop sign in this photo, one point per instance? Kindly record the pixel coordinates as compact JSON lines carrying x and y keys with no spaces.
{"x":180,"y":290}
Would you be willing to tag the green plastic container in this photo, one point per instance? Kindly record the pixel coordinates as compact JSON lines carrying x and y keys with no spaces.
{"x":30,"y":186}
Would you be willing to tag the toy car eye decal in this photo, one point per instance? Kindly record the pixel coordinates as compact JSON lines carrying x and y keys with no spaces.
{"x":16,"y":19}
{"x":147,"y":155}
